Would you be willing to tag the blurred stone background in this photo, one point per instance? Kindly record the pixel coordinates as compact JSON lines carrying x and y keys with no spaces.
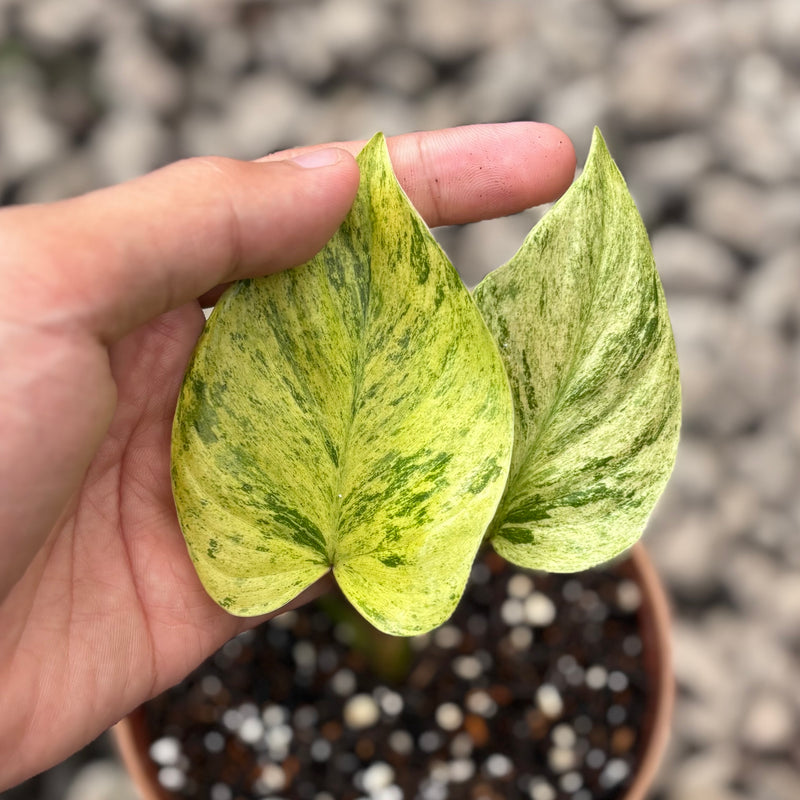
{"x":700,"y":103}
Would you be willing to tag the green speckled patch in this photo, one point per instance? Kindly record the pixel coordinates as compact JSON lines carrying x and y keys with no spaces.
{"x":582,"y":325}
{"x":351,"y":414}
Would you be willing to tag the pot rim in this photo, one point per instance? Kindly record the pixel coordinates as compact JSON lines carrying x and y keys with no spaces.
{"x":131,"y":740}
{"x":657,"y":649}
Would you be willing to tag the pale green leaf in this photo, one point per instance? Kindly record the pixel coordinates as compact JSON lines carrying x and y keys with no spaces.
{"x":351,"y":414}
{"x":580,"y":317}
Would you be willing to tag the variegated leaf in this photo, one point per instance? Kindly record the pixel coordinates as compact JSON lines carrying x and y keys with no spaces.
{"x":351,"y":414}
{"x":580,"y":317}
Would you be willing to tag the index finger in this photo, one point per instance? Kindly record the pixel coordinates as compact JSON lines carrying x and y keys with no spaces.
{"x":475,"y":172}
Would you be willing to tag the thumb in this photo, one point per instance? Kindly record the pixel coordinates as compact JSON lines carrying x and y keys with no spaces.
{"x":112,"y":259}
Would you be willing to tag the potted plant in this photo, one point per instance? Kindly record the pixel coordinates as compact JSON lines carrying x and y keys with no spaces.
{"x":409,"y":422}
{"x":544,"y":734}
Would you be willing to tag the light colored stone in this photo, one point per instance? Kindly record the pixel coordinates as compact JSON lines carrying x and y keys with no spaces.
{"x":4,"y":25}
{"x":659,"y":172}
{"x":68,"y":176}
{"x":449,"y":30}
{"x":707,"y":775}
{"x":290,"y":39}
{"x":777,"y":531}
{"x":770,"y":722}
{"x":755,"y":143}
{"x":579,"y":105}
{"x":205,"y":15}
{"x":783,"y":213}
{"x":101,"y":780}
{"x":56,"y":24}
{"x":484,"y":246}
{"x":699,"y":472}
{"x":646,"y":8}
{"x":739,"y":507}
{"x":732,"y":210}
{"x":779,"y":781}
{"x":580,"y":38}
{"x":783,"y":27}
{"x":760,"y":81}
{"x":670,"y":73}
{"x":444,"y":105}
{"x":701,"y":666}
{"x":357,"y":113}
{"x":688,"y":553}
{"x":769,"y":462}
{"x":226,"y":51}
{"x":128,"y":143}
{"x":29,"y":139}
{"x":750,"y":577}
{"x":506,"y":80}
{"x":731,"y":371}
{"x":771,"y":295}
{"x":743,"y":25}
{"x":404,"y":71}
{"x":745,"y":215}
{"x":132,"y":74}
{"x":263,"y":113}
{"x":351,"y":29}
{"x":754,"y":656}
{"x":309,"y":41}
{"x":784,"y":597}
{"x":690,"y":262}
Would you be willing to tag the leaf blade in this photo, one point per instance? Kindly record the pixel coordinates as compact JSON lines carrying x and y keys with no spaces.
{"x":370,"y":378}
{"x":583,"y":328}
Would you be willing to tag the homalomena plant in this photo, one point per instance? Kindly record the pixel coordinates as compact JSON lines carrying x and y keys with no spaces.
{"x":364,"y":414}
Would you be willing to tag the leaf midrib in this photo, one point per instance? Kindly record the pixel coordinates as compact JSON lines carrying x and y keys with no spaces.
{"x":528,"y":459}
{"x":358,"y":384}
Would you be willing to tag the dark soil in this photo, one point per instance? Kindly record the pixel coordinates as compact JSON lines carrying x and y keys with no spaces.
{"x":534,"y":689}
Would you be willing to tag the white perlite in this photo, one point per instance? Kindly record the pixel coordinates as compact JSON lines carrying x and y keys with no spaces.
{"x":548,"y":698}
{"x":166,"y":751}
{"x":361,"y":711}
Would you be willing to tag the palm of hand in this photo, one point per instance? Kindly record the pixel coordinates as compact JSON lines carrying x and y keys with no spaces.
{"x":100,"y":607}
{"x":111,"y":611}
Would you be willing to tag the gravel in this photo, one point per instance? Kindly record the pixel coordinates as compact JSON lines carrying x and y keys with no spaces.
{"x":700,"y":103}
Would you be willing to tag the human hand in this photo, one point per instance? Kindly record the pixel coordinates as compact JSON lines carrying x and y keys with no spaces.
{"x":100,"y":607}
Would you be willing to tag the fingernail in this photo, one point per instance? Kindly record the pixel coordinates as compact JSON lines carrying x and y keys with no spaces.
{"x":325,"y":157}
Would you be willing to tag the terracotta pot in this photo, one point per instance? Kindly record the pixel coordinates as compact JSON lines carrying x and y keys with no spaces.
{"x":133,"y":742}
{"x":657,"y":652}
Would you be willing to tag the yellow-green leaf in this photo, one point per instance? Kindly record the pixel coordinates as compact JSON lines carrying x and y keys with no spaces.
{"x":352,"y":414}
{"x":580,"y":317}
